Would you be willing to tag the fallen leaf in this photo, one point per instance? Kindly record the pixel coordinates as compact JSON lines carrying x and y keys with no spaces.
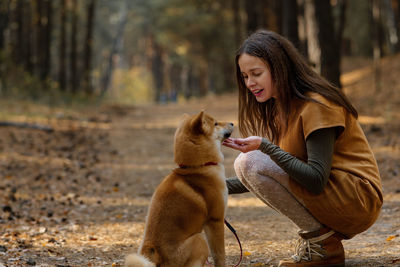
{"x":246,"y":253}
{"x":390,"y":238}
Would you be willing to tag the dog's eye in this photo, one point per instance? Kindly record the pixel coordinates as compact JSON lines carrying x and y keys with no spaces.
{"x":216,"y":123}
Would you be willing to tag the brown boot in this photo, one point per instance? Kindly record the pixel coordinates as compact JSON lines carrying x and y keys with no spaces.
{"x":318,"y":248}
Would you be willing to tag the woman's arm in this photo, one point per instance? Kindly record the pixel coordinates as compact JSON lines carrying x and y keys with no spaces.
{"x":235,"y":186}
{"x":313,"y":174}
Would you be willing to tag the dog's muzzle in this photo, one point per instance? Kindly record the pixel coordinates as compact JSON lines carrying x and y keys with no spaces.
{"x":227,"y":135}
{"x":228,"y":131}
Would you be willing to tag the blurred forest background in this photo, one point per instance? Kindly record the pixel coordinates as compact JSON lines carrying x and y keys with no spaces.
{"x":135,"y":51}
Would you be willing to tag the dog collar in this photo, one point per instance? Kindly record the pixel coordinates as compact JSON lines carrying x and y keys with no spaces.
{"x":205,"y":164}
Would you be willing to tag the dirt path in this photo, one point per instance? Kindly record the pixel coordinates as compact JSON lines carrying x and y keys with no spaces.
{"x":78,"y":196}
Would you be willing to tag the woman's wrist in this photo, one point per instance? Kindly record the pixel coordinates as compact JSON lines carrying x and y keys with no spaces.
{"x":265,"y":143}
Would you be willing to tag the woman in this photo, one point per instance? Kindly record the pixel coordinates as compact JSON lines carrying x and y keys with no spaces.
{"x":304,"y":154}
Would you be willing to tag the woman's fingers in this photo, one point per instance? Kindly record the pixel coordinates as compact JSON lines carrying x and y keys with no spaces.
{"x":243,"y":144}
{"x":232,"y":143}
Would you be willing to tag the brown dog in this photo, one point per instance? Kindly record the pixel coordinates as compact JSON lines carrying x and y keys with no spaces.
{"x":189,"y":200}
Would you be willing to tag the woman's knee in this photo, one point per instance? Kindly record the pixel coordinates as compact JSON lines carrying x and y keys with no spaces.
{"x":246,"y":164}
{"x":255,"y":163}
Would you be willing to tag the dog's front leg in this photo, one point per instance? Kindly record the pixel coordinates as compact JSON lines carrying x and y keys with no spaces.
{"x":214,"y":230}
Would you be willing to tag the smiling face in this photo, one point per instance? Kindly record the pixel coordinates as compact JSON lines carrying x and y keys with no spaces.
{"x":257,"y":77}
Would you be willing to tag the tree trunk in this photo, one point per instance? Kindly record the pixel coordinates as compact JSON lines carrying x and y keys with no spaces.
{"x":184,"y":78}
{"x":376,"y":38}
{"x":313,"y":48}
{"x":396,"y":12}
{"x":4,"y":18}
{"x":176,"y":81}
{"x":330,"y":51}
{"x":237,"y":22}
{"x":290,"y":24}
{"x":47,"y":39}
{"x":19,"y":46}
{"x":274,"y":12}
{"x":203,"y":81}
{"x":392,"y":34}
{"x":323,"y":43}
{"x":38,"y":55}
{"x":29,"y":33}
{"x":193,"y":84}
{"x":74,"y":80}
{"x":22,"y":48}
{"x":263,"y":14}
{"x":115,"y":49}
{"x":342,"y":23}
{"x":62,"y":71}
{"x":157,"y":68}
{"x":43,"y":37}
{"x":88,"y":48}
{"x":252,"y":15}
{"x":339,"y":36}
{"x":302,"y":28}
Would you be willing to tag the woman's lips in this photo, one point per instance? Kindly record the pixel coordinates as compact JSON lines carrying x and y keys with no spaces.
{"x":257,"y":92}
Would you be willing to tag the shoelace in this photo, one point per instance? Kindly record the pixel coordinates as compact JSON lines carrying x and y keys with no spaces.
{"x":306,"y":248}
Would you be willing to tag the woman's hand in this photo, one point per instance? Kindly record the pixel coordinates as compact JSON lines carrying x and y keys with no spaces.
{"x":243,"y":144}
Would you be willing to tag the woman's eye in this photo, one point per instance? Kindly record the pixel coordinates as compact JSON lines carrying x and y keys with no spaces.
{"x":257,"y":74}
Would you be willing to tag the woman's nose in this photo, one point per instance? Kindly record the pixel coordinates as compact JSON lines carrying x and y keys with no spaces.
{"x":250,"y":82}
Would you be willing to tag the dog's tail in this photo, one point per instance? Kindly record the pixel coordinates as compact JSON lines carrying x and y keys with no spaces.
{"x":136,"y":260}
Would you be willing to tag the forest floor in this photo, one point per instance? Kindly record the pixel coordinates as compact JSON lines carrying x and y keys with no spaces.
{"x":77,"y":194}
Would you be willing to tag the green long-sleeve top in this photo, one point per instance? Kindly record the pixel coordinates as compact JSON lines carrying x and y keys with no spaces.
{"x":312,"y":175}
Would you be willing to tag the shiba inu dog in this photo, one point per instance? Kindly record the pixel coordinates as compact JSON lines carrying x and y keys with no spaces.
{"x":191,"y":199}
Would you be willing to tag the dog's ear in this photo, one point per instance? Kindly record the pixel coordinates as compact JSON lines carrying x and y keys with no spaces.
{"x":183,"y":119}
{"x":198,"y":122}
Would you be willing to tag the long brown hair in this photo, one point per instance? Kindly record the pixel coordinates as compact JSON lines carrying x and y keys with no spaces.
{"x":291,"y":76}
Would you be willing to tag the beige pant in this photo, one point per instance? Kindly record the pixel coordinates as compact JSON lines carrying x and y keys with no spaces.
{"x":265,"y":179}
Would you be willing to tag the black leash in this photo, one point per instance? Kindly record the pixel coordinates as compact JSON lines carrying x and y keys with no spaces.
{"x":237,"y":238}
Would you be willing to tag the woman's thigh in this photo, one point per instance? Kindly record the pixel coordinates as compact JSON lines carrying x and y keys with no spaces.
{"x":256,"y":168}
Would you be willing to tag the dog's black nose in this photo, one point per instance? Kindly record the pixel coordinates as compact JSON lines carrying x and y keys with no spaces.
{"x":231,"y":124}
{"x":227,"y":135}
